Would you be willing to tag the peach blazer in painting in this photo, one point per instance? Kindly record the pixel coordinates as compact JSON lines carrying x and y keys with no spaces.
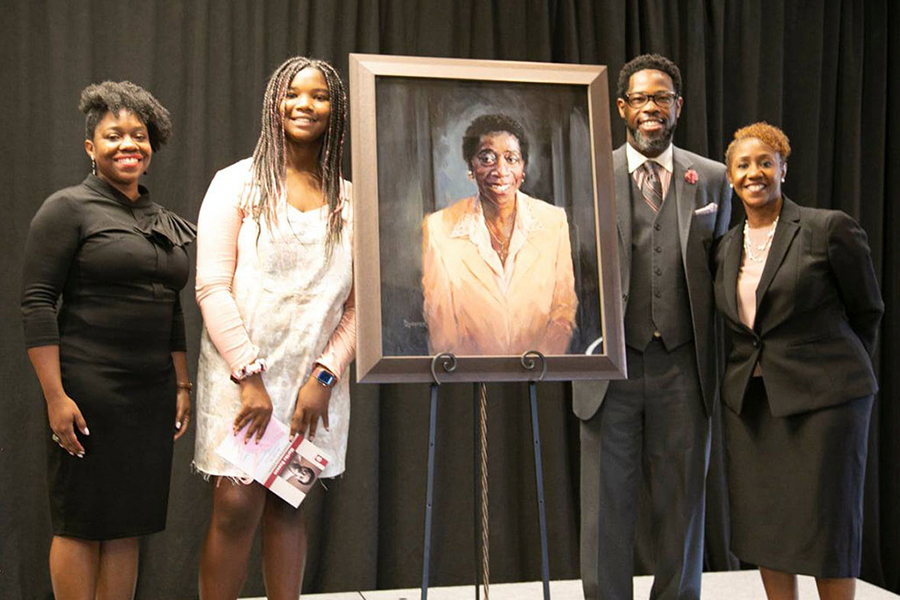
{"x":475,"y":305}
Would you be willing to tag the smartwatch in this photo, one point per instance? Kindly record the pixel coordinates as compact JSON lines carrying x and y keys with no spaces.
{"x":326,"y":377}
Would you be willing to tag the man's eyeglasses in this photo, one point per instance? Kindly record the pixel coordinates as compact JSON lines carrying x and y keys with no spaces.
{"x":661,"y":99}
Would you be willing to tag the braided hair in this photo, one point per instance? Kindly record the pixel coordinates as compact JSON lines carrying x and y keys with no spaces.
{"x":269,"y":158}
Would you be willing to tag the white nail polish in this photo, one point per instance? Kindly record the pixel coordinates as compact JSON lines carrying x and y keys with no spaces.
{"x":87,"y":431}
{"x":178,"y":425}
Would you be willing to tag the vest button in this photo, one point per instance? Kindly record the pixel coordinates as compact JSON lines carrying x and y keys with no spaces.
{"x":657,"y":227}
{"x":658,"y":249}
{"x":658,"y":294}
{"x":624,"y":297}
{"x":658,"y":271}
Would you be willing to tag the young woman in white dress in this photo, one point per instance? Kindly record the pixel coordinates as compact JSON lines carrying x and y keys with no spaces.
{"x":274,"y":283}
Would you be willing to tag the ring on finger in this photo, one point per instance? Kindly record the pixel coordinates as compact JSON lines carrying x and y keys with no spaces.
{"x":54,"y":437}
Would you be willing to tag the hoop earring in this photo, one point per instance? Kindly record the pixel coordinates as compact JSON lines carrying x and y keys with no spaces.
{"x":93,"y":167}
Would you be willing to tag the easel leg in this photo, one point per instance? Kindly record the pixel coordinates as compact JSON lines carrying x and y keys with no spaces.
{"x":539,"y":476}
{"x":476,"y":463}
{"x":429,"y":497}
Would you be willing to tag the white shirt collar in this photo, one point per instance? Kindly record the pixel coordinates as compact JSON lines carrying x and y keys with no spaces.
{"x":471,"y":222}
{"x":636,"y":159}
{"x":471,"y":225}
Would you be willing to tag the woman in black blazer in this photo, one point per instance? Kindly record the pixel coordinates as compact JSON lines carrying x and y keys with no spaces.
{"x":801,"y":306}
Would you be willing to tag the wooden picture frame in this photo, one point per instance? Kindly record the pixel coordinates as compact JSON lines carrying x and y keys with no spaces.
{"x":408,"y":117}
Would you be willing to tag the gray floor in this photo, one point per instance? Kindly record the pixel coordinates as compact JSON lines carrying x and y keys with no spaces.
{"x":735,"y":585}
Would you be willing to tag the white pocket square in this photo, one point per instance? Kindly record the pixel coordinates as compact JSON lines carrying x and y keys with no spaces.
{"x":709,"y":209}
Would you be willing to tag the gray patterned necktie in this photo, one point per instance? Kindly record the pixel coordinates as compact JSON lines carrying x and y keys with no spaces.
{"x":652,"y":186}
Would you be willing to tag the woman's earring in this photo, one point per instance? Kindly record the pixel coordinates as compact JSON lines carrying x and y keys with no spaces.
{"x":471,"y":176}
{"x":93,"y":167}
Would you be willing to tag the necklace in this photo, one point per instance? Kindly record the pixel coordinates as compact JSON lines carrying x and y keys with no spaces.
{"x":503,"y":250}
{"x":764,"y":247}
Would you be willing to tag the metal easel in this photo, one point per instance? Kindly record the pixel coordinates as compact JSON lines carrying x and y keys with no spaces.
{"x":447,"y":361}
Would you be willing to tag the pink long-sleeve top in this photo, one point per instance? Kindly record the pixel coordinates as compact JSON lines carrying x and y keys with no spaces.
{"x":220,"y":250}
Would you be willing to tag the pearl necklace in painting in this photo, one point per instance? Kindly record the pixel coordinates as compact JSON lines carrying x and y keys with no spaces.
{"x":763,"y":247}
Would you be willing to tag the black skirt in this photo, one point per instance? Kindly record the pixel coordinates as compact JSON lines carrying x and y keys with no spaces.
{"x":124,"y":385}
{"x":796,"y":485}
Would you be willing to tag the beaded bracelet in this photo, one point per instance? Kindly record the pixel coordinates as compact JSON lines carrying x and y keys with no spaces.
{"x":257,"y":366}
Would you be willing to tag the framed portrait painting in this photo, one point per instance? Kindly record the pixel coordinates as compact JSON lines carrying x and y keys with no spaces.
{"x":485,"y":222}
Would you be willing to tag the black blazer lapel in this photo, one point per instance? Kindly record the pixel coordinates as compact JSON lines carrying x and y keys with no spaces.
{"x":785,"y":232}
{"x":730,"y":267}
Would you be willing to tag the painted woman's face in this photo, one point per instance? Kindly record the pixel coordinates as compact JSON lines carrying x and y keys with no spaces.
{"x":306,"y":107}
{"x":498,"y":166}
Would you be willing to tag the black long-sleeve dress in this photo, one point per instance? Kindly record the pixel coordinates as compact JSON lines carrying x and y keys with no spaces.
{"x":101,"y":280}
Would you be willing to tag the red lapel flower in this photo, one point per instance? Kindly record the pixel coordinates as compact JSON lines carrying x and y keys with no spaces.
{"x":691,"y":176}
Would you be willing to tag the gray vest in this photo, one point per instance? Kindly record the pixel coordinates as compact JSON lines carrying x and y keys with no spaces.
{"x":658,"y":300}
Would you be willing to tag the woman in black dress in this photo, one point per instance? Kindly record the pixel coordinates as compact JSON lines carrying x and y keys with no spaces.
{"x":802,"y":308}
{"x":111,"y":356}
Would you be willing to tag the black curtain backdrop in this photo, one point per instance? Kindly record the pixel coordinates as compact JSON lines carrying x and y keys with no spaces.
{"x":827,"y":72}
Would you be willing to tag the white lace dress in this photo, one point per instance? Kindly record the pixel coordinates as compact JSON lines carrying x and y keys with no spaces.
{"x":291,"y":296}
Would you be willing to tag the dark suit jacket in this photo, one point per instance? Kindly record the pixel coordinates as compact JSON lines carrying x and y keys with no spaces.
{"x":818,"y":311}
{"x":704,"y":211}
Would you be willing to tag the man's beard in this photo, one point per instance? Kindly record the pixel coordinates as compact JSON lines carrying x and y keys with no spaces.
{"x":652,"y":146}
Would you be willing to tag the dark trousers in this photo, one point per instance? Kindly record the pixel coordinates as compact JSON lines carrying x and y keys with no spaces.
{"x":653,"y":426}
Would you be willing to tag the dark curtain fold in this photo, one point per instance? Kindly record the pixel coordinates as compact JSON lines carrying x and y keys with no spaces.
{"x":827,"y":73}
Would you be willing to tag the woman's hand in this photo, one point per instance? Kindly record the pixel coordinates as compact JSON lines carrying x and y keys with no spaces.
{"x":64,"y":416}
{"x":256,"y":408}
{"x":312,"y":404}
{"x":182,"y":411}
{"x":62,"y":412}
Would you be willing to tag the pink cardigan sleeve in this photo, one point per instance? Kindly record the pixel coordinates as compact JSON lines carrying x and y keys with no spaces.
{"x":217,"y":252}
{"x":341,"y":348}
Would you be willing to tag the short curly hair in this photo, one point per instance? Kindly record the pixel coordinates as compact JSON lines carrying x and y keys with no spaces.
{"x":98,"y":99}
{"x":643,"y":62}
{"x":767,"y":134}
{"x":489,"y":123}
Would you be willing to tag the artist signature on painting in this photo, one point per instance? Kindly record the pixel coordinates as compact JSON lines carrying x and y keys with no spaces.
{"x":414,"y":324}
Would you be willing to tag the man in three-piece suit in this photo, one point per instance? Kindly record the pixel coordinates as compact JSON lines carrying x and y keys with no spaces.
{"x":671,"y":204}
